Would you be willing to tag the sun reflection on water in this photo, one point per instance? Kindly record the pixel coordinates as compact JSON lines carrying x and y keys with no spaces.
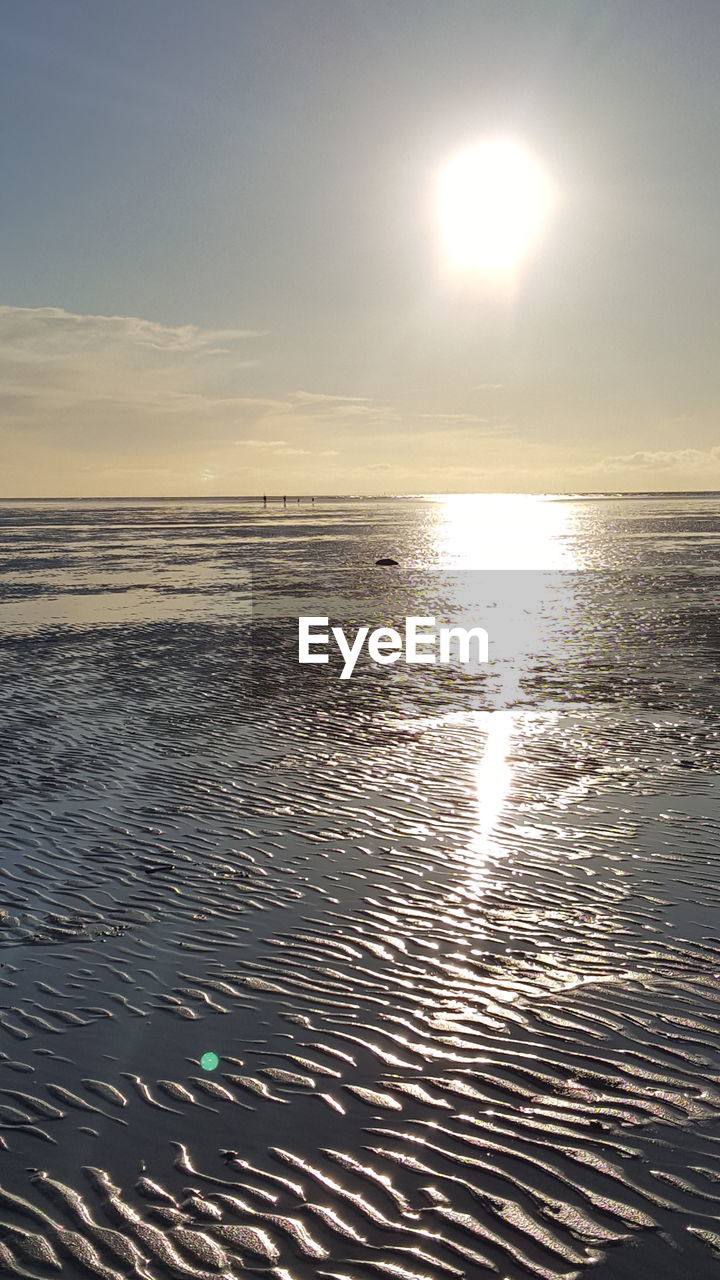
{"x":503,"y":531}
{"x":512,"y":563}
{"x":492,"y":776}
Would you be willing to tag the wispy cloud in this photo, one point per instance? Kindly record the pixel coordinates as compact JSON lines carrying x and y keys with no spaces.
{"x":660,"y":460}
{"x":56,"y":330}
{"x":281,"y":449}
{"x":262,"y":444}
{"x":470,"y":420}
{"x":92,"y":403}
{"x":322,"y":406}
{"x":81,"y":375}
{"x":321,"y":397}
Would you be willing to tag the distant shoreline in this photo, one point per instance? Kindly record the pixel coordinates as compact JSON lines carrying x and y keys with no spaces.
{"x":277,"y":499}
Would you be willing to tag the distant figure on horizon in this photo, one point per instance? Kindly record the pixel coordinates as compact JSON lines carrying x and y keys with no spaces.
{"x":264,"y":499}
{"x":284,"y":502}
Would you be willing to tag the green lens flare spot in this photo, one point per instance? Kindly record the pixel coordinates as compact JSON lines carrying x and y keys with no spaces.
{"x":209,"y":1061}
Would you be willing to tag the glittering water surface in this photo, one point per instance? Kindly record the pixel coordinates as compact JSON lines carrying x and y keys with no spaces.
{"x":413,"y":975}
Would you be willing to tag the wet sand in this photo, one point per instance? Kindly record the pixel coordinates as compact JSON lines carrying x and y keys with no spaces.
{"x":457,"y":956}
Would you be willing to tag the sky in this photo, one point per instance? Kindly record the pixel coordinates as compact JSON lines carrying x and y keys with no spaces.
{"x":224,"y":271}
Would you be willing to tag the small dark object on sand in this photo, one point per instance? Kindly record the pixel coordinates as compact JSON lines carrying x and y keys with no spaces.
{"x":229,"y":1155}
{"x":386,"y":560}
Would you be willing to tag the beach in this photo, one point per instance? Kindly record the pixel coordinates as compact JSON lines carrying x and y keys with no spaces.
{"x":413,"y":974}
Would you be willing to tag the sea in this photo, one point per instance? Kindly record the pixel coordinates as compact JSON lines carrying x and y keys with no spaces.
{"x":414,"y":974}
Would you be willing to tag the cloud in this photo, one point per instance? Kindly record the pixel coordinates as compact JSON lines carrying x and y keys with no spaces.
{"x":319,"y":397}
{"x":262,"y":444}
{"x":454,"y":417}
{"x":661,"y":460}
{"x":83,"y":377}
{"x":281,"y":449}
{"x":46,"y":332}
{"x":264,"y":406}
{"x":470,"y":420}
{"x":324,"y":407}
{"x":110,"y":404}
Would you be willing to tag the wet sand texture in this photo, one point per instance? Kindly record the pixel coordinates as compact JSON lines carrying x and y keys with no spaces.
{"x":448,"y":1044}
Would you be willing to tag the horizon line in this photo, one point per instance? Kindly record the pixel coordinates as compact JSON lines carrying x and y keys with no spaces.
{"x":339,"y":497}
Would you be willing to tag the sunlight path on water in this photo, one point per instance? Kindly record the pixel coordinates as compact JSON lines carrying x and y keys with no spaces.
{"x":414,"y":975}
{"x":504,"y":531}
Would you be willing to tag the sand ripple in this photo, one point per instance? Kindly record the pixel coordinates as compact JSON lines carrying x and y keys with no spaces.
{"x":465,"y":1018}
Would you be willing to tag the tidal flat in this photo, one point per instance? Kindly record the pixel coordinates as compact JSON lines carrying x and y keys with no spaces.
{"x":413,"y":975}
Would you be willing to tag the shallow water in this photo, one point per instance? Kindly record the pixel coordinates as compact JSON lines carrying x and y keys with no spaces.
{"x":453,"y":938}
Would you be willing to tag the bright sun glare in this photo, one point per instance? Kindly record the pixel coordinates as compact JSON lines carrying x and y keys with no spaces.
{"x":494,"y":198}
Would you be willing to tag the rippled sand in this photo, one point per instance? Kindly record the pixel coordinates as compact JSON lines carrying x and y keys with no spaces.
{"x":458,"y":958}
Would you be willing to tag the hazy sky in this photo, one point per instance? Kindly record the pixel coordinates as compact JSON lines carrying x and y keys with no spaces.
{"x":221,"y":257}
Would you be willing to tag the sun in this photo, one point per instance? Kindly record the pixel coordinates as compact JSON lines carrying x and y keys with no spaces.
{"x":493,"y":201}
